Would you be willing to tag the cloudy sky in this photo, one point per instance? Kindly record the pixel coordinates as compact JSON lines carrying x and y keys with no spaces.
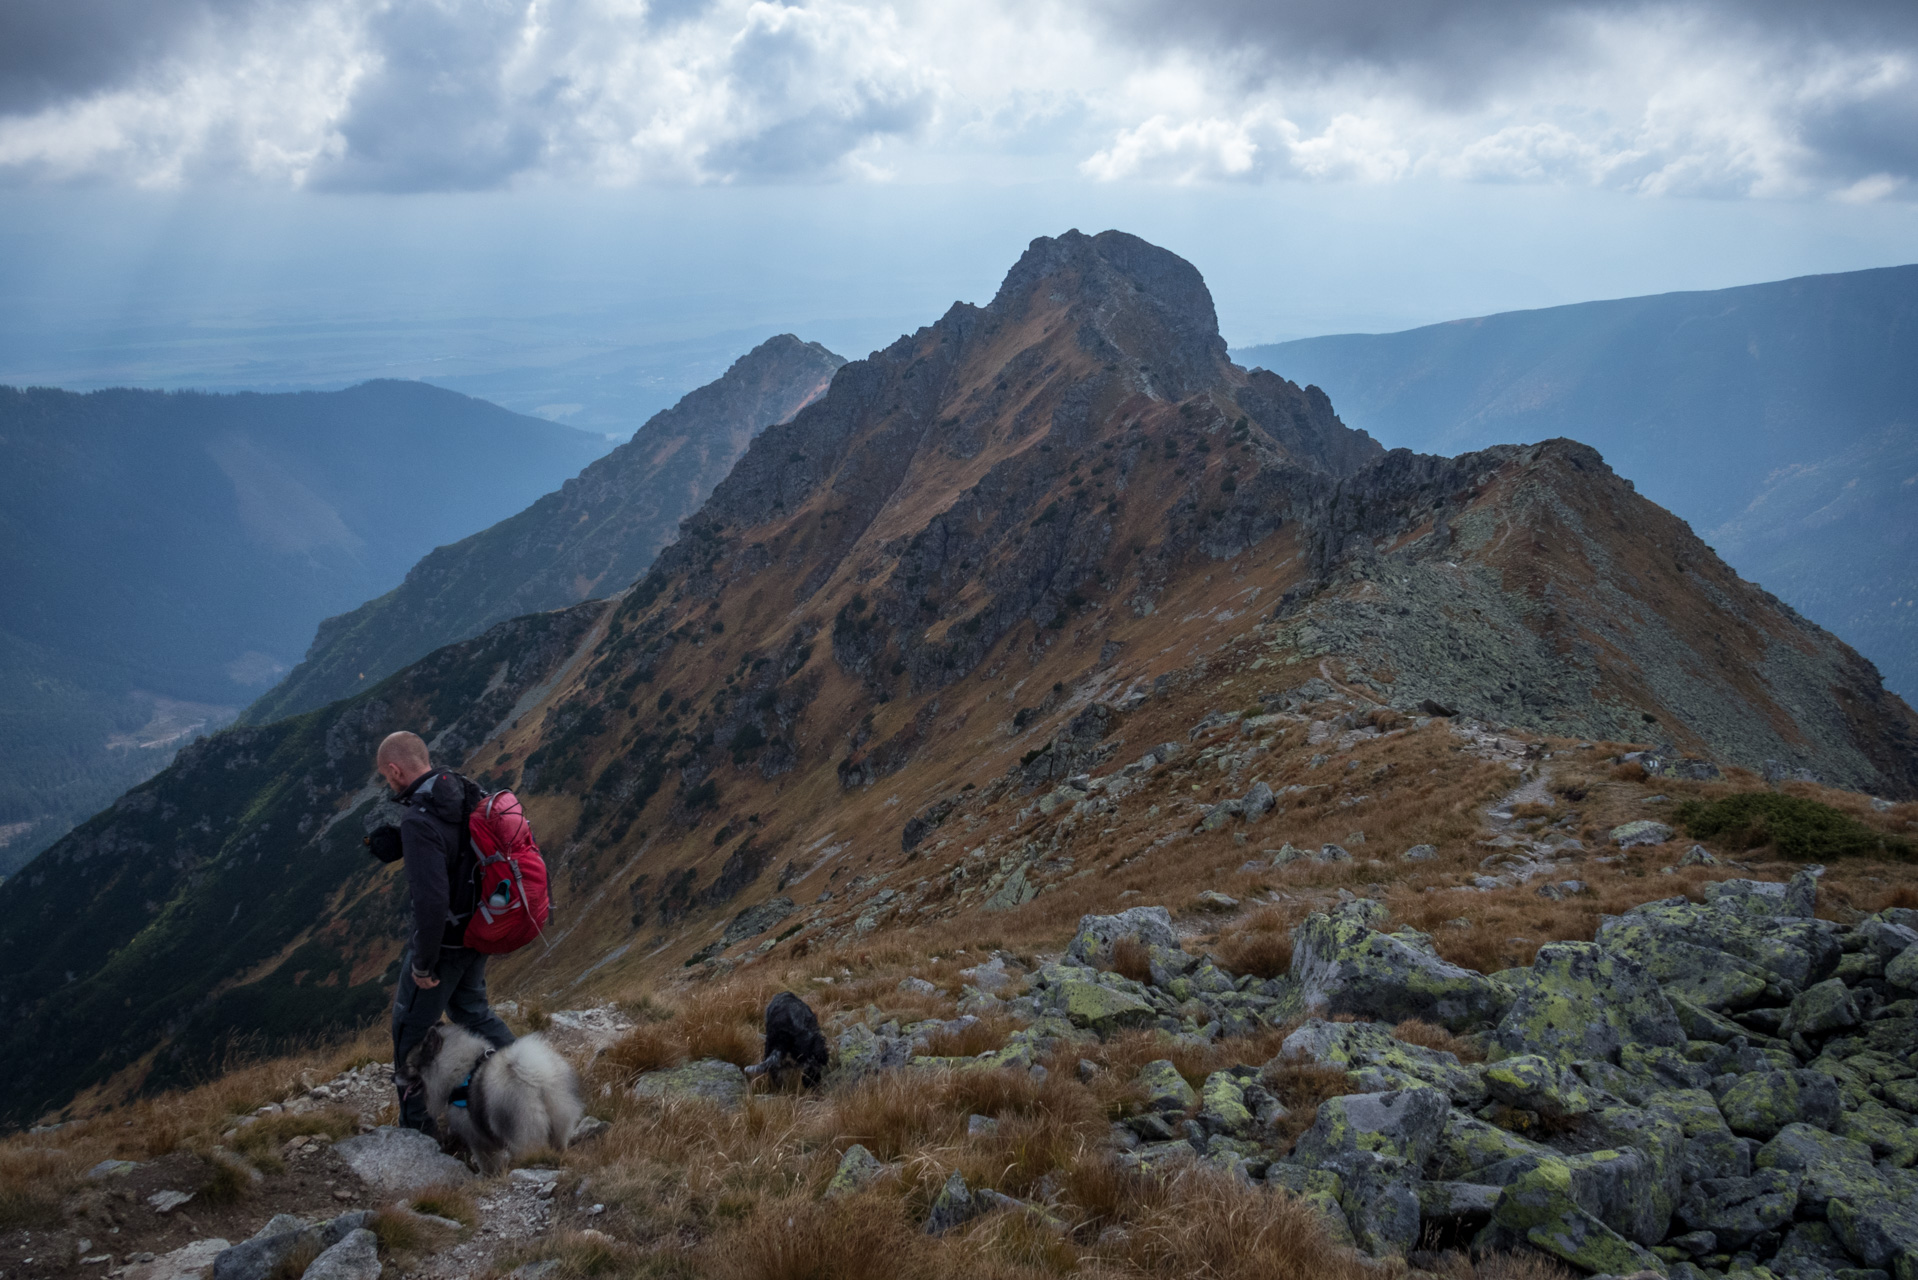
{"x":1404,"y":160}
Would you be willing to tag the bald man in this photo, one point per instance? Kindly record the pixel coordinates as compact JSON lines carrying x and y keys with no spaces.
{"x":437,"y":974}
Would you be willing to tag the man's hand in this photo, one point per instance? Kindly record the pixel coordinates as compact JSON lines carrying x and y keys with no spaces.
{"x":425,"y":981}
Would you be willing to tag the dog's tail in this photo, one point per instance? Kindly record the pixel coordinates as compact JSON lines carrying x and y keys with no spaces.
{"x":540,"y":1067}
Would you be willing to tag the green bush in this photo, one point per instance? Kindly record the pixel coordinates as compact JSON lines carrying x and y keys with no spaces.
{"x":1792,"y":825}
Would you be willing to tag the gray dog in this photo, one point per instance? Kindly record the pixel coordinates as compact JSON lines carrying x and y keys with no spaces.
{"x":500,"y":1104}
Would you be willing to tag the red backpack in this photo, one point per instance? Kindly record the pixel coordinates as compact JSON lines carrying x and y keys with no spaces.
{"x":513,"y":902}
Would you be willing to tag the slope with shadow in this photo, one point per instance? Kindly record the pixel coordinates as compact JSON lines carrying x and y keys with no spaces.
{"x":593,"y":536}
{"x":973,"y":570}
{"x":1780,"y":419}
{"x":161,"y":551}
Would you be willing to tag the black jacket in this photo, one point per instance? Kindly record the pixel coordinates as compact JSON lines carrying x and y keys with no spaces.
{"x":439,"y":863}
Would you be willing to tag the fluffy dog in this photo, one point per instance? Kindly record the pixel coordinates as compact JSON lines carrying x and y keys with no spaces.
{"x":793,"y":1041}
{"x":499,"y":1104}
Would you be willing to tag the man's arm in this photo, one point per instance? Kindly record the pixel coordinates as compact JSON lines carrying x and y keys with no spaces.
{"x":424,"y":841}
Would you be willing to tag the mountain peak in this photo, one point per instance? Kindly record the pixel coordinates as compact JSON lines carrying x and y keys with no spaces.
{"x":1140,"y":303}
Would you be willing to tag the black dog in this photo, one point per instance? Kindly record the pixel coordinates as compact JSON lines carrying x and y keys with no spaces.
{"x":793,"y":1041}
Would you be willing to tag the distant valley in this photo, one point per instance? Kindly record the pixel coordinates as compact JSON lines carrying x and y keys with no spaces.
{"x":1780,"y":420}
{"x":165,"y":557}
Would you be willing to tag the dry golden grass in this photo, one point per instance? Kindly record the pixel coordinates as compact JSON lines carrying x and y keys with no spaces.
{"x":1199,"y":1223}
{"x":34,"y":1181}
{"x":969,"y":1041}
{"x":448,"y":1202}
{"x":1261,"y":944}
{"x":261,"y":1141}
{"x":1130,"y":959}
{"x":1424,"y":1034}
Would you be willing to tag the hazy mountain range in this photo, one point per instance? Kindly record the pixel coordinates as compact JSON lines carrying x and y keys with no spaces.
{"x":591,"y":537}
{"x":1780,"y":420}
{"x":165,"y":557}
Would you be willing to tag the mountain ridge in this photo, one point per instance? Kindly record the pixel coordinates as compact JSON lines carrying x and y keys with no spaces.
{"x":1776,"y":417}
{"x":993,"y":555}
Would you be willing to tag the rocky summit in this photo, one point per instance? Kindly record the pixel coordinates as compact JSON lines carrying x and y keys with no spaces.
{"x":1481,"y":803}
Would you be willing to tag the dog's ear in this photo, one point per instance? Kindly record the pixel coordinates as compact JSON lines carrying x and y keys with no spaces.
{"x":430,"y":1047}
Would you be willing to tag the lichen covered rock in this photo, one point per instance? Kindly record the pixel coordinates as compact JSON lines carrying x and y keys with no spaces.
{"x":1761,"y":1104}
{"x":1583,"y":1001}
{"x":1343,"y":966}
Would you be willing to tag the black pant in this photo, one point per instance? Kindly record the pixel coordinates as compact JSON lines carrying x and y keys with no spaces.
{"x":461,"y":996}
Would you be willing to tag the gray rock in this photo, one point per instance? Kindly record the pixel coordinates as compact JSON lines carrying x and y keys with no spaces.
{"x":259,"y":1257}
{"x":1380,"y":1061}
{"x":1884,"y":939}
{"x":1258,"y":802}
{"x":1165,"y":1089}
{"x":1343,"y":966}
{"x":856,"y":1168}
{"x":1698,"y":856}
{"x":954,"y":1206}
{"x":1820,"y":1009}
{"x":357,"y":1257}
{"x":756,"y":920}
{"x":1092,"y":944}
{"x":1405,"y":1123}
{"x":399,"y":1161}
{"x":1902,"y":970}
{"x":1739,"y":1210}
{"x":863,"y":1051}
{"x":1716,"y":1153}
{"x":1584,"y":1001}
{"x":1812,"y":1251}
{"x":708,"y":1080}
{"x":1419,"y":853}
{"x":917,"y":986}
{"x":110,"y":1169}
{"x":534,"y":1270}
{"x":1379,"y":1195}
{"x":167,"y":1201}
{"x":1454,"y":1200}
{"x":1826,"y":1164}
{"x":1331,"y":853}
{"x":1644,"y":831}
{"x":1761,"y":1104}
{"x":1880,"y":1226}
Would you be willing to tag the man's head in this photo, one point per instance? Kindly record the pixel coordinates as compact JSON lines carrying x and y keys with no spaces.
{"x":402,"y":759}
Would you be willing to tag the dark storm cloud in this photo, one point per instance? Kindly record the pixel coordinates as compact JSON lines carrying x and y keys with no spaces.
{"x":1456,"y":53}
{"x":53,"y":50}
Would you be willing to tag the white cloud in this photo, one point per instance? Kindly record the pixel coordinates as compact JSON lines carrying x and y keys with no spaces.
{"x":1676,"y":97}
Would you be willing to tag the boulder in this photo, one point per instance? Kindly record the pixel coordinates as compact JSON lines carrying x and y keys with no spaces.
{"x":188,"y":1262}
{"x":1380,"y":1061}
{"x":1257,"y":802}
{"x":1419,"y":853}
{"x":1698,"y":856}
{"x":357,"y":1257}
{"x":857,"y":1167}
{"x":1761,"y":1104}
{"x":1101,"y":1008}
{"x":1644,"y":831}
{"x":1584,"y":1001}
{"x":1405,"y":1123}
{"x":1533,"y":1083}
{"x":1165,"y":1089}
{"x":1471,"y":1150}
{"x":1343,"y":966}
{"x":1675,"y":940}
{"x":1880,"y":1228}
{"x":1738,"y":1210}
{"x":1223,"y":1109}
{"x":954,"y":1206}
{"x":399,"y":1161}
{"x":1902,"y":969}
{"x":861,"y":1051}
{"x":1812,"y":1251}
{"x":1825,"y":1164}
{"x":709,"y":1080}
{"x":1092,"y":944}
{"x":1541,"y":1208}
{"x":1820,"y":1009}
{"x":756,"y":920}
{"x":1378,"y":1195}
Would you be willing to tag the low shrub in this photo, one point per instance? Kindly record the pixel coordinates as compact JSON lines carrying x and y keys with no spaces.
{"x":1794,"y":826}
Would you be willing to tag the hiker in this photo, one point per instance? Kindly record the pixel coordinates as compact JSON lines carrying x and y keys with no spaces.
{"x":438,"y":974}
